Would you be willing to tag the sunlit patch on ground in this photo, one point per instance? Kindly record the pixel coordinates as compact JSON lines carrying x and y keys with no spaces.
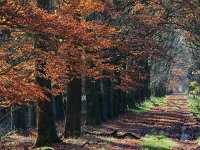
{"x":157,"y":142}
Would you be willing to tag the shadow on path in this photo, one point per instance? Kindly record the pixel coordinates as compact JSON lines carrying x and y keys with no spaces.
{"x":172,"y":119}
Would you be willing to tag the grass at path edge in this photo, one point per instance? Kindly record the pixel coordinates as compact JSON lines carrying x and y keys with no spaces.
{"x":194,"y":104}
{"x":157,"y":142}
{"x":148,"y":104}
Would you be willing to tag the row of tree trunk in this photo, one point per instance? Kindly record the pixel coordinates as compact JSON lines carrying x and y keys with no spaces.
{"x":103,"y":101}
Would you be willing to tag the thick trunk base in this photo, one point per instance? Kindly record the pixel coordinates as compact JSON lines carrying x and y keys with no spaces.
{"x":46,"y":126}
{"x":73,"y":110}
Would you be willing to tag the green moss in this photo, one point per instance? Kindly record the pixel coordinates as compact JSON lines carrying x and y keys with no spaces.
{"x":148,"y":104}
{"x":198,"y":141}
{"x":157,"y":142}
{"x":194,"y":104}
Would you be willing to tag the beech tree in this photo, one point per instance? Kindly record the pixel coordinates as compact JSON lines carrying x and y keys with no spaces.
{"x":46,"y":129}
{"x":115,"y":45}
{"x":53,"y":46}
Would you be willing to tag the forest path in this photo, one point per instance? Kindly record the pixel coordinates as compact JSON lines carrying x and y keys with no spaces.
{"x":172,"y":119}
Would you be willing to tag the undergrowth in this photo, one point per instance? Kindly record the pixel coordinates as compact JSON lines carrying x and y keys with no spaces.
{"x":198,"y":141}
{"x":148,"y":104}
{"x":157,"y":142}
{"x":195,"y":106}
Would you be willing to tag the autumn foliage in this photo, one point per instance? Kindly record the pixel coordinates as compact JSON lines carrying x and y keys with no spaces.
{"x":72,"y":48}
{"x":117,"y":41}
{"x":54,"y":52}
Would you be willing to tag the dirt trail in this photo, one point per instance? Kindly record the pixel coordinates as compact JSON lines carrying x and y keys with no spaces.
{"x":172,"y":119}
{"x":188,"y":128}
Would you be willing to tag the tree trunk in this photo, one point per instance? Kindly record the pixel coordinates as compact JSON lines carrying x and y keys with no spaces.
{"x":142,"y":94}
{"x":153,"y":91}
{"x":148,"y":93}
{"x":59,"y":107}
{"x":19,"y":118}
{"x":131,"y":99}
{"x":46,"y":129}
{"x":139,"y":95}
{"x":12,"y":117}
{"x":116,"y":106}
{"x":92,"y":103}
{"x":45,"y":121}
{"x":54,"y":108}
{"x":83,"y":95}
{"x":102,"y":104}
{"x":73,"y":110}
{"x":122,"y":101}
{"x":147,"y":81}
{"x":108,"y":97}
{"x":32,"y":116}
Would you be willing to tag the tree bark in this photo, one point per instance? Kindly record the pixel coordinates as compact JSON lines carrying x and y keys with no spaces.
{"x":122,"y":101}
{"x":138,"y":96}
{"x":108,"y":97}
{"x":19,"y":118}
{"x":73,"y":110}
{"x":116,"y":104}
{"x":92,"y":103}
{"x":32,"y":116}
{"x":131,"y":99}
{"x":147,"y":81}
{"x":59,"y":107}
{"x":142,"y":94}
{"x":46,"y":129}
{"x":102,"y":104}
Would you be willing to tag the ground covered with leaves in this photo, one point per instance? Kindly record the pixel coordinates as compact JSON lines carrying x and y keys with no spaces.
{"x":167,"y":125}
